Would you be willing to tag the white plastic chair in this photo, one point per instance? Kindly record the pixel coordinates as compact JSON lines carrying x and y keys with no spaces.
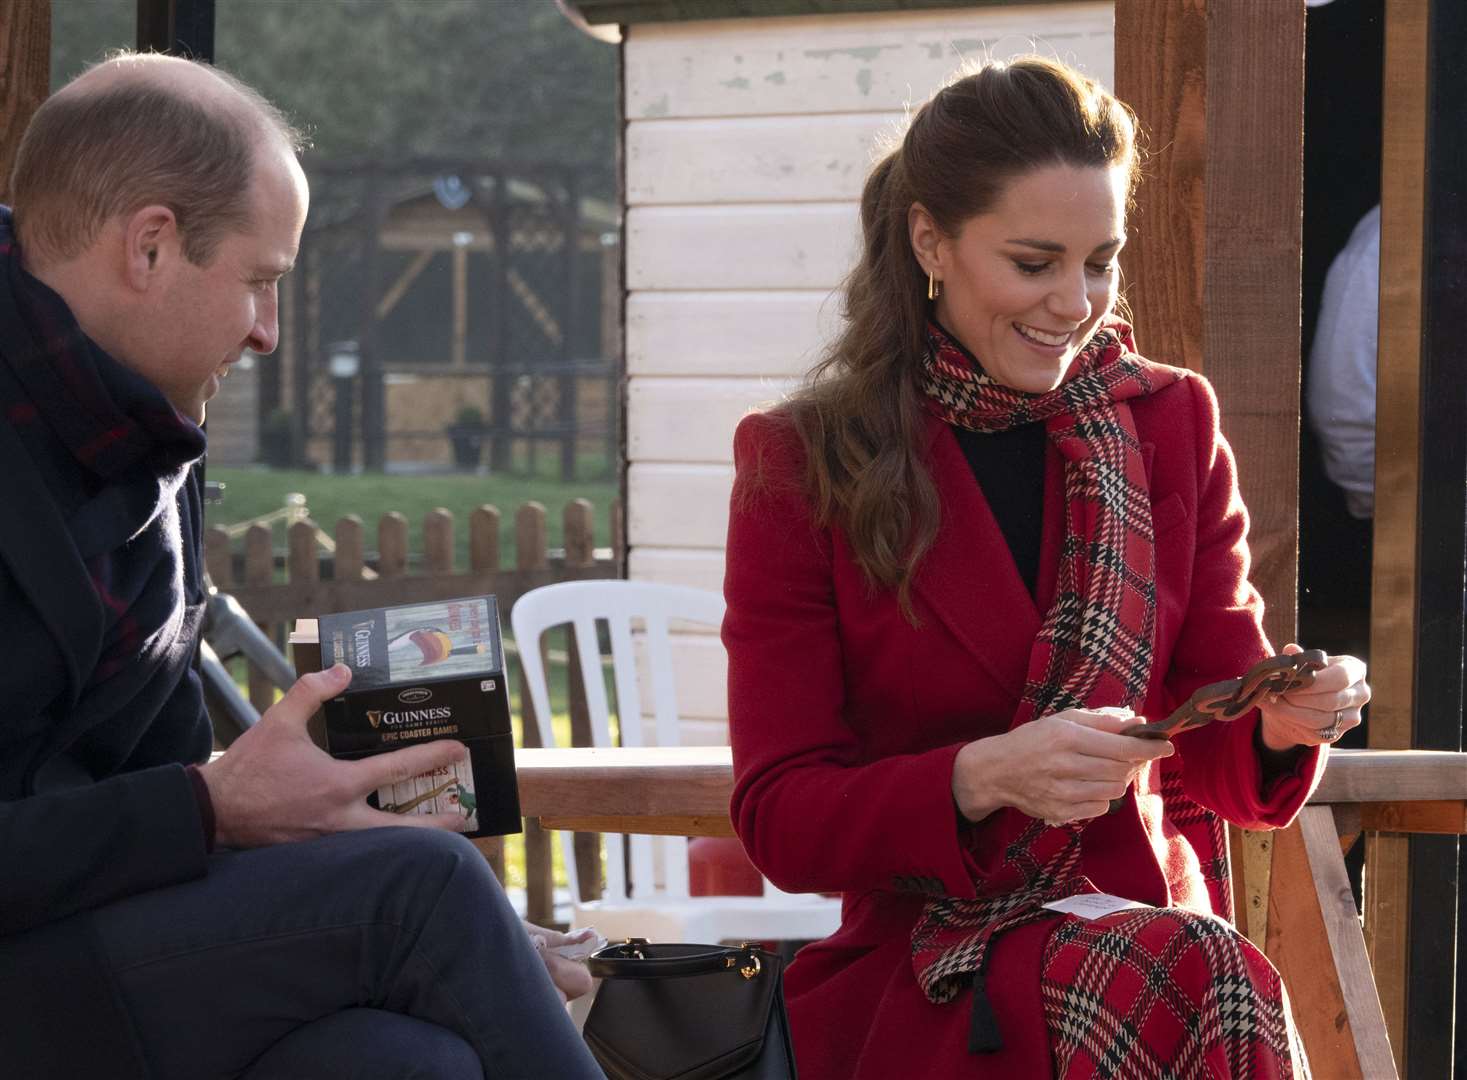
{"x":655,"y":910}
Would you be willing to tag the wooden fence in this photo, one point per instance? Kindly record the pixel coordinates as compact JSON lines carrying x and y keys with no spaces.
{"x":349,"y":579}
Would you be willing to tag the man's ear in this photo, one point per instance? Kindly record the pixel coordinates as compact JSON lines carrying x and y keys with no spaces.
{"x":926,"y":239}
{"x":151,"y":244}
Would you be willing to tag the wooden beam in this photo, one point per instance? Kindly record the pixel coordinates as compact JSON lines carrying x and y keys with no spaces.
{"x":1397,"y":481}
{"x":25,"y":75}
{"x":1314,"y":939}
{"x":1216,"y":237}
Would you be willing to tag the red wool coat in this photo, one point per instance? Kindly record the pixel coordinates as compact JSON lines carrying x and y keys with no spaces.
{"x":845,"y":720}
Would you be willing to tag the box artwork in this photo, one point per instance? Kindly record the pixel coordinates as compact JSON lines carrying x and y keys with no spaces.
{"x":423,"y":672}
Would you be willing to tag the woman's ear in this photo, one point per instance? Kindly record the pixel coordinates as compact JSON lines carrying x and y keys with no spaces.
{"x":926,"y":239}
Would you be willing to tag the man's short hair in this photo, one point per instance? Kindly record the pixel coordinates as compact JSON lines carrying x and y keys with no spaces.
{"x":87,"y":158}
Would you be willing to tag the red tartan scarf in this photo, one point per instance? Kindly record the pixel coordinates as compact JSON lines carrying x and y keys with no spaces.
{"x":1093,"y":649}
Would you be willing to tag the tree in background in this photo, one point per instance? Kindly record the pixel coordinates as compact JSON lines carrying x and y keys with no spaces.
{"x":386,"y":79}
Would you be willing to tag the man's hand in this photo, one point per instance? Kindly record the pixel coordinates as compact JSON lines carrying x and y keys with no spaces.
{"x":570,"y":977}
{"x":274,"y":785}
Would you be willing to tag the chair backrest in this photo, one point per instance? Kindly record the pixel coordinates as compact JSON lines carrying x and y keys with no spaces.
{"x":617,"y":603}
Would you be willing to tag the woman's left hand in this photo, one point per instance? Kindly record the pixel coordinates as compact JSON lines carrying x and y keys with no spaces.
{"x":1318,"y":713}
{"x":570,"y":977}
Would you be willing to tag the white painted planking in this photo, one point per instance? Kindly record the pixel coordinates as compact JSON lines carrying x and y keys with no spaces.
{"x":693,"y":419}
{"x":844,"y":63}
{"x":778,"y":334}
{"x":700,"y":665}
{"x":801,"y":246}
{"x":683,"y":506}
{"x":677,"y":566}
{"x":755,"y":159}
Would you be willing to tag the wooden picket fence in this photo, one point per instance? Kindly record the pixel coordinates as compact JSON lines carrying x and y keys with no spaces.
{"x":311,"y":580}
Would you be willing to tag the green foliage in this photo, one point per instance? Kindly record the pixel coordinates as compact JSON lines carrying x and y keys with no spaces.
{"x":470,"y":416}
{"x":384,"y":79}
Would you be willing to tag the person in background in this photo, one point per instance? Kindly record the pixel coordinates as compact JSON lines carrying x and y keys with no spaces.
{"x":159,"y":916}
{"x":983,"y":540}
{"x":1341,"y":392}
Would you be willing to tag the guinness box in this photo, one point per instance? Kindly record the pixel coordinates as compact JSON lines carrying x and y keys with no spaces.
{"x":423,"y":672}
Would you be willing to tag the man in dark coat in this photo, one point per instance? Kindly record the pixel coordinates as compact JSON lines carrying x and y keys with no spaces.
{"x":160,"y":916}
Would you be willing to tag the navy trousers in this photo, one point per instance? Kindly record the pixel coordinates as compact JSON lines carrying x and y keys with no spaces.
{"x":389,"y":953}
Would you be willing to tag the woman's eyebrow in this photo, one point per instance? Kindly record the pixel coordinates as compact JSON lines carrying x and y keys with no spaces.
{"x":1059,"y":249}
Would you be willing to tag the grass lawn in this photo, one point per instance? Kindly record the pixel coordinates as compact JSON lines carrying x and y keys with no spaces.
{"x":252,"y":492}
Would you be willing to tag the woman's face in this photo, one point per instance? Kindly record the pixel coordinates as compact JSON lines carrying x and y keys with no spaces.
{"x":1025,"y":283}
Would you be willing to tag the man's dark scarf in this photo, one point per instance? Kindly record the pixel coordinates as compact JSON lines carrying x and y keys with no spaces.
{"x":1093,"y":649}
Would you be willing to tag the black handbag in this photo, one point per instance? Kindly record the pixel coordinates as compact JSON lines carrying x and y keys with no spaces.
{"x":689,"y":1012}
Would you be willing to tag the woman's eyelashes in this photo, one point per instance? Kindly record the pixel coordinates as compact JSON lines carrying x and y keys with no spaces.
{"x":1032,"y":269}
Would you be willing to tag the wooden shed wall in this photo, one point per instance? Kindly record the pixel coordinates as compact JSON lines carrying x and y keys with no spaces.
{"x":747,"y":143}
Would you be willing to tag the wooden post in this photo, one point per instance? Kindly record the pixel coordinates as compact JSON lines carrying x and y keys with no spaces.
{"x":438,"y":541}
{"x":25,"y":75}
{"x":531,"y":554}
{"x":351,"y":555}
{"x":392,"y":545}
{"x":484,"y":558}
{"x":580,"y":552}
{"x":260,"y":570}
{"x":1397,"y":480}
{"x":1212,"y":272}
{"x":218,"y":558}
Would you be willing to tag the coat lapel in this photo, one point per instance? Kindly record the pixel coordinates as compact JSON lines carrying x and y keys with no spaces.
{"x":968,"y":579}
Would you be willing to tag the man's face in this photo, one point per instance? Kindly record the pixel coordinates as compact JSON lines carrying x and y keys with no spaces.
{"x":208,"y":315}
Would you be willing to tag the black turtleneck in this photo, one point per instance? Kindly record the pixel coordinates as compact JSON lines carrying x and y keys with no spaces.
{"x":1009,"y":468}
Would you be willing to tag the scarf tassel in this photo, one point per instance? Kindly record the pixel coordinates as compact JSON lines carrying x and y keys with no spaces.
{"x":983,"y":1034}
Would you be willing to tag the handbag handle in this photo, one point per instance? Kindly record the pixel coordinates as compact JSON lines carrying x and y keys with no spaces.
{"x":627,"y":960}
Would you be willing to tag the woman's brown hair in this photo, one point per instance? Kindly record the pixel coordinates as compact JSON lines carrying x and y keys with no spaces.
{"x":860,"y":415}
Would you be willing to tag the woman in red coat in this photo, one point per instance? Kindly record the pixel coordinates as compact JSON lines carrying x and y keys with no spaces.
{"x":985,"y":538}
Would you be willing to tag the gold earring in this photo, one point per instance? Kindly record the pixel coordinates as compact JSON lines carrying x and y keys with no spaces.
{"x":934,"y":286}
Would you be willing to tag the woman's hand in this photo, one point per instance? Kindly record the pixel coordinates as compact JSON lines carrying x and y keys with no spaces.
{"x":1067,"y":766}
{"x":571,"y":978}
{"x":1320,"y":712}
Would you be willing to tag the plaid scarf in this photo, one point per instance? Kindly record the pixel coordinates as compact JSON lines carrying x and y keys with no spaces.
{"x":1093,"y":649}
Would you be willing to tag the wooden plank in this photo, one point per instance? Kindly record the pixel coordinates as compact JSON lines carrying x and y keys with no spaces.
{"x":438,"y":541}
{"x":678,"y":505}
{"x":1253,"y":197}
{"x":25,"y":75}
{"x":218,"y":557}
{"x":702,"y":676}
{"x":351,"y":549}
{"x":1442,"y":816}
{"x":674,"y":781}
{"x":530,"y":554}
{"x":1161,"y":69}
{"x":484,"y":539}
{"x":747,"y":334}
{"x":834,"y":64}
{"x":392,"y":548}
{"x":1315,"y":942}
{"x":698,"y":569}
{"x":803,"y":246}
{"x":259,"y":550}
{"x":693,"y":420}
{"x":578,"y":528}
{"x":1392,"y":776}
{"x":1397,"y":480}
{"x":660,"y":826}
{"x":778,"y":159}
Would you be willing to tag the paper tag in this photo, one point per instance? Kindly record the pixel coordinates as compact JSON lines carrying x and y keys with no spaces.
{"x":1094,"y":905}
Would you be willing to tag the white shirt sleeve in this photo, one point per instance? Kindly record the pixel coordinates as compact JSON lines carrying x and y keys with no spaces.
{"x":1340,"y":394}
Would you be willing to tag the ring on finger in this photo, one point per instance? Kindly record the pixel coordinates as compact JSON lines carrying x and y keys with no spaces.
{"x":1329,"y":734}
